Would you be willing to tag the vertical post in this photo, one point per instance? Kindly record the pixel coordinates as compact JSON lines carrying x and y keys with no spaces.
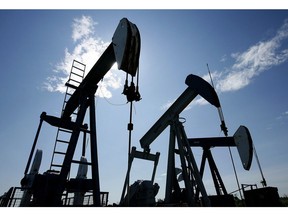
{"x":155,"y":166}
{"x":170,"y":166}
{"x":216,"y":175}
{"x":182,"y":137}
{"x":84,"y":142}
{"x":34,"y":143}
{"x":94,"y":153}
{"x":130,"y":128}
{"x":202,"y":166}
{"x":126,"y":183}
{"x":183,"y":159}
{"x":203,"y":160}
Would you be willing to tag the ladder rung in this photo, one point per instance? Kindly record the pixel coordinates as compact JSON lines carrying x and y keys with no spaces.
{"x":73,"y":80}
{"x":70,"y":85}
{"x":56,"y":165}
{"x":66,"y":131}
{"x":53,"y":171}
{"x":62,"y":153}
{"x":79,"y":70}
{"x":63,"y":141}
{"x":75,"y":113}
{"x":79,"y":63}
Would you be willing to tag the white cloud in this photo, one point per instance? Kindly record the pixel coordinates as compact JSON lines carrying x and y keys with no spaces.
{"x":82,"y":27}
{"x":223,"y":58}
{"x":248,"y":64}
{"x":252,"y":62}
{"x":87,"y":49}
{"x":283,"y":116}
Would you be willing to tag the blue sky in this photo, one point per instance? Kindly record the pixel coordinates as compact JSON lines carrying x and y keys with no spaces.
{"x":247,"y":52}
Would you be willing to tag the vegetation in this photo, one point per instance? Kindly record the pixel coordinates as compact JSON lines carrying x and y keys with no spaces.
{"x":284,"y":200}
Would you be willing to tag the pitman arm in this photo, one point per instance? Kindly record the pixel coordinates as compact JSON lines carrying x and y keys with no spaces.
{"x":196,"y":85}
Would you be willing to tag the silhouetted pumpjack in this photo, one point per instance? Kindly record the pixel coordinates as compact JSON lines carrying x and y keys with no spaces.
{"x":48,"y":188}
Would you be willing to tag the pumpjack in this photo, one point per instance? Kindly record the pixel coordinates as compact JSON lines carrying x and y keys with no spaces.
{"x":52,"y":188}
{"x":48,"y":189}
{"x":189,"y":170}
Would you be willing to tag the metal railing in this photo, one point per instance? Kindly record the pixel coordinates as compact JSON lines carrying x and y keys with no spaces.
{"x":12,"y":198}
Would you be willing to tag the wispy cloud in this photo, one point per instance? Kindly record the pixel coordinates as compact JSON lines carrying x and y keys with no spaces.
{"x":281,"y":119}
{"x":83,"y":27}
{"x":223,"y":58}
{"x":87,"y":49}
{"x":249,"y":64}
{"x":283,"y":116}
{"x":252,"y":62}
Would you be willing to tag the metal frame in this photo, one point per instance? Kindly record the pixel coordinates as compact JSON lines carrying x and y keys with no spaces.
{"x":192,"y":177}
{"x":140,"y":155}
{"x":125,"y":50}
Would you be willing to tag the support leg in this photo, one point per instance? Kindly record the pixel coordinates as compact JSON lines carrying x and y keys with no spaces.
{"x":94,"y":153}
